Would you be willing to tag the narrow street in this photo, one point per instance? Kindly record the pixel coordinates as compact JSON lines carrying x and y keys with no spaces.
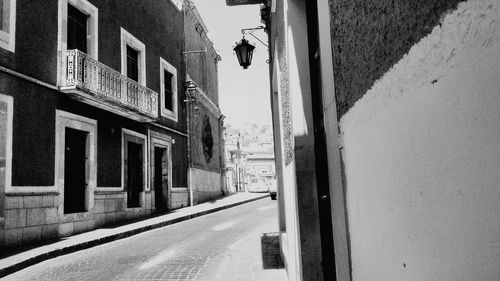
{"x":222,"y":246}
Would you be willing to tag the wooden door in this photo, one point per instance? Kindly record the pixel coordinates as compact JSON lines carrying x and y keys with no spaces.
{"x":135,"y":174}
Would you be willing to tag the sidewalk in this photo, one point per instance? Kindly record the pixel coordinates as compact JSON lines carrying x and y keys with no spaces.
{"x":18,"y":261}
{"x":252,"y":259}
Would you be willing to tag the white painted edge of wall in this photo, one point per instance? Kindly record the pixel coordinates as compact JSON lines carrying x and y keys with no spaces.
{"x":9,"y":100}
{"x":93,"y":29}
{"x":8,"y":39}
{"x":126,"y":38}
{"x":65,"y":119}
{"x":172,"y":115}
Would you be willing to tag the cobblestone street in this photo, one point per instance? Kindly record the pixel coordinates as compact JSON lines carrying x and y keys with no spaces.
{"x":221,"y":246}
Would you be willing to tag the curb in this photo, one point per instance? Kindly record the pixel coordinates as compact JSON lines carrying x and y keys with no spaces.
{"x":103,"y":240}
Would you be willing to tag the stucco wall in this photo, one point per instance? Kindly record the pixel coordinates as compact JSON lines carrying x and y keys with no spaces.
{"x":206,"y":185}
{"x":201,"y":67}
{"x":157,"y":24}
{"x":369,"y":37}
{"x":36,"y":41}
{"x":33,"y":131}
{"x":421,"y":157}
{"x":299,"y":233}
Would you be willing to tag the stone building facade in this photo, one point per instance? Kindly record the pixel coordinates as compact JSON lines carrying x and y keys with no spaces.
{"x":93,"y":122}
{"x":205,"y":120}
{"x":386,"y":121}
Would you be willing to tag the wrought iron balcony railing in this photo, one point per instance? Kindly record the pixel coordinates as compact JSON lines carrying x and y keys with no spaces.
{"x":103,"y":84}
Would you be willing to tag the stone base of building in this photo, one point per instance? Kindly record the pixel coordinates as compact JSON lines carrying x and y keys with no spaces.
{"x":205,"y":185}
{"x":33,"y":218}
{"x":179,"y":198}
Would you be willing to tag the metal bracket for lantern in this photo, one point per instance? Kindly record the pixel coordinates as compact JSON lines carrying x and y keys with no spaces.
{"x":244,"y":50}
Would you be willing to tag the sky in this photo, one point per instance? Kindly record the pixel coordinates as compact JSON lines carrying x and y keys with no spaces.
{"x":243,"y":94}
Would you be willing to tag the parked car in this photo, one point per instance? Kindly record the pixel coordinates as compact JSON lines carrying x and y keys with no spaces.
{"x":272,"y":189}
{"x":258,"y":185}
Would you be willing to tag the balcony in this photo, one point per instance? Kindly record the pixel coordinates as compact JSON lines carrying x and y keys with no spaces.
{"x":244,"y":2}
{"x":92,"y":82}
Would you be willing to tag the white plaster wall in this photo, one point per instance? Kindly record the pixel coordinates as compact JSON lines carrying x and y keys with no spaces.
{"x":422,"y":158}
{"x":205,"y":184}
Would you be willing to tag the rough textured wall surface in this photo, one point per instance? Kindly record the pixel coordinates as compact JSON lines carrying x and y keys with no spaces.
{"x":421,"y":157}
{"x":369,"y":37}
{"x":33,"y":142}
{"x":36,"y":41}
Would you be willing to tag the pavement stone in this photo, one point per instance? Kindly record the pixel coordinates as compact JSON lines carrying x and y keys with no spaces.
{"x":186,"y":269}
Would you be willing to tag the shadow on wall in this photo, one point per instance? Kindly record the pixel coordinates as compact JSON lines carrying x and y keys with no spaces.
{"x":270,"y":246}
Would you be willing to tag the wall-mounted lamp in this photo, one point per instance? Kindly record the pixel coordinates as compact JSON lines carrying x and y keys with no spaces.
{"x":244,"y":50}
{"x":244,"y":53}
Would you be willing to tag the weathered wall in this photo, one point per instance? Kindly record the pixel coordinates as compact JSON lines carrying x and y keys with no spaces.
{"x":36,"y":41}
{"x":33,"y":131}
{"x":30,"y":218}
{"x":157,"y":24}
{"x":201,"y":67}
{"x":198,"y":148}
{"x":369,"y":37}
{"x":34,"y":106}
{"x":421,"y":157}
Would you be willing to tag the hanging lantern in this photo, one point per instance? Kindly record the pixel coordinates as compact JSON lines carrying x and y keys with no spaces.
{"x":244,"y":52}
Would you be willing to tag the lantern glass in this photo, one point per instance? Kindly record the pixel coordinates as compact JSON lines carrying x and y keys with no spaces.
{"x":244,"y":53}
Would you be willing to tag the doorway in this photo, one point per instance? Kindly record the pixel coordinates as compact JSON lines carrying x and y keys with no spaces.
{"x":75,"y":170}
{"x":161,"y":177}
{"x":134,"y":173}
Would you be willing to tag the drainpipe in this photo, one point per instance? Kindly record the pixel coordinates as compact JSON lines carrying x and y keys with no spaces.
{"x":222,"y":162}
{"x":190,"y":87}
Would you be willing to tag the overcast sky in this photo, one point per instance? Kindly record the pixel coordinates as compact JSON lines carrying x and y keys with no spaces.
{"x":243,"y":94}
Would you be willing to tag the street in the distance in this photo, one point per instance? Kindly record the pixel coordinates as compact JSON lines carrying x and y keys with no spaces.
{"x":234,"y":244}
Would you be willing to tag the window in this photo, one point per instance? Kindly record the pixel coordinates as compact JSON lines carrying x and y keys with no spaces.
{"x":132,"y":64}
{"x":168,"y":90}
{"x":80,"y":20}
{"x":133,"y":55}
{"x":8,"y":24}
{"x":77,"y":29}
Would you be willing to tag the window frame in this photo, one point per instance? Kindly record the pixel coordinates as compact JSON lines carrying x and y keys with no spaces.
{"x":9,"y":101}
{"x":62,"y":31}
{"x":80,"y":22}
{"x":92,"y":25}
{"x":170,"y":114}
{"x":157,"y":139}
{"x":65,"y":120}
{"x":126,"y":38}
{"x":8,"y":38}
